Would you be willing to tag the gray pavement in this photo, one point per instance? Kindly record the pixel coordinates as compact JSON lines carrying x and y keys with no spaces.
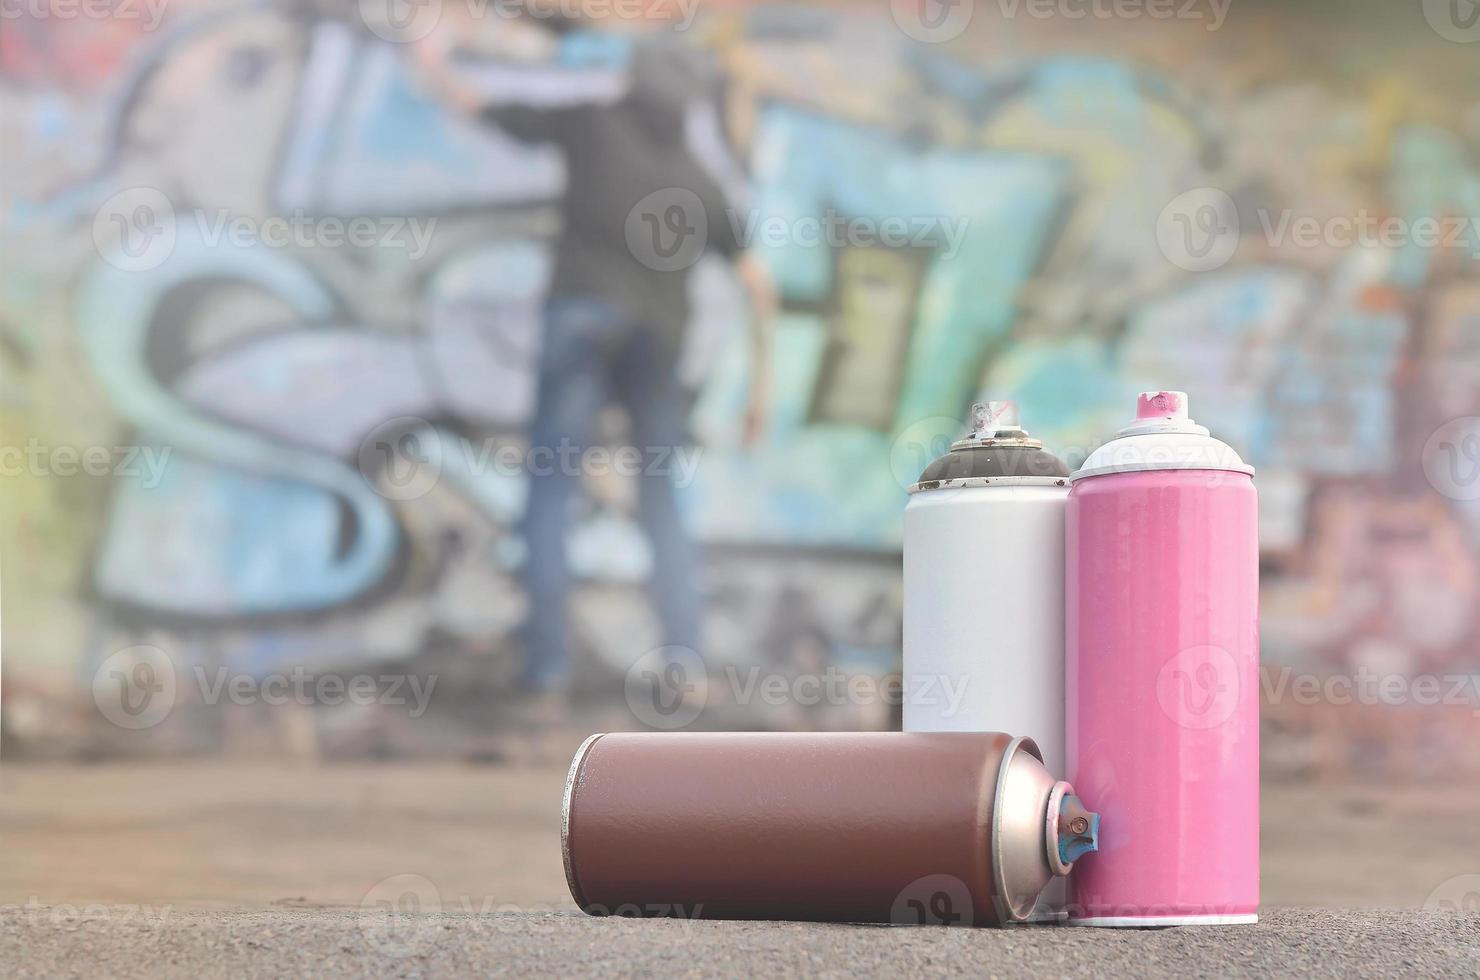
{"x":51,"y":941}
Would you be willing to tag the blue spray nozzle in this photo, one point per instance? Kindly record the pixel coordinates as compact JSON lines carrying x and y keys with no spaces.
{"x":1079,"y":830}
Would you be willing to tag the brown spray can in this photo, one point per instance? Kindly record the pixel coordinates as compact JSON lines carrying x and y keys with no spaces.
{"x":953,"y":828}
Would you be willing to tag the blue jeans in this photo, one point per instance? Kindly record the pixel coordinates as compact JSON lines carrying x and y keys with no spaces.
{"x":592,"y":354}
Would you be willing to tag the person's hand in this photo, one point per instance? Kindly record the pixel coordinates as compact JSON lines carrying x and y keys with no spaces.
{"x":760,"y":291}
{"x":757,"y":410}
{"x":433,"y":56}
{"x":431,"y":52}
{"x":760,"y":288}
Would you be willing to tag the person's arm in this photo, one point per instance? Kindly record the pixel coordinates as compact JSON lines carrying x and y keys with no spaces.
{"x":760,"y":290}
{"x":433,"y":54}
{"x":723,"y":193}
{"x":538,"y":100}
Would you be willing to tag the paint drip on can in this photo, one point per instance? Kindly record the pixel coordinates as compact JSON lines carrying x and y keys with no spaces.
{"x":948,"y":829}
{"x":1162,"y":637}
{"x":984,"y":591}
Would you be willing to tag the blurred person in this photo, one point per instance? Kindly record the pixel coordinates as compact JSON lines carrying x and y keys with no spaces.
{"x":614,"y":324}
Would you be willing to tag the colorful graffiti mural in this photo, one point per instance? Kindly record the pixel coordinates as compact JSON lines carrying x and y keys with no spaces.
{"x":259,"y":375}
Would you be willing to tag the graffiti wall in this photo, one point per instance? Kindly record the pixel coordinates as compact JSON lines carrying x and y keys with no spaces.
{"x":295,"y":445}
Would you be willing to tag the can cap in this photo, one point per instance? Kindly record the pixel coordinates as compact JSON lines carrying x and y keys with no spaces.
{"x":995,"y":419}
{"x":1162,"y":437}
{"x":997,"y":450}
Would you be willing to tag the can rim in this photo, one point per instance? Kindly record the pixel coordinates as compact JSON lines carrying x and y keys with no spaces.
{"x":1112,"y":470}
{"x":1005,"y":912}
{"x":926,"y":486}
{"x":1056,"y":862}
{"x":570,"y":788}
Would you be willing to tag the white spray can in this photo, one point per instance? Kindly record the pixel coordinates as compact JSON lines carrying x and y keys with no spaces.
{"x":984,"y":586}
{"x":984,"y":590}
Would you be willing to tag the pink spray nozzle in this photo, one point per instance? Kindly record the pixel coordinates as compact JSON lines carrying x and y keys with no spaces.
{"x":1162,"y":405}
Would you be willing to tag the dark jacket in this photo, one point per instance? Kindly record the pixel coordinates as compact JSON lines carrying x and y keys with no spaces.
{"x":619,"y":155}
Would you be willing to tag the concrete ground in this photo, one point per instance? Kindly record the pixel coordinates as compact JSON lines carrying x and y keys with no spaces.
{"x":341,"y":943}
{"x":231,"y":868}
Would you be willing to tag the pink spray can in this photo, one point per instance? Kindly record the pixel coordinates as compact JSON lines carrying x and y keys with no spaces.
{"x":1162,"y":673}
